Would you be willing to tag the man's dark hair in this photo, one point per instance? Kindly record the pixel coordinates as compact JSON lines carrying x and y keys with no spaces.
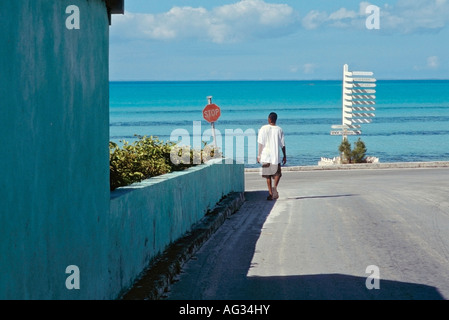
{"x":273,"y":117}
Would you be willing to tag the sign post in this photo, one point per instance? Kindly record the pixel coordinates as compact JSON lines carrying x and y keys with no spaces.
{"x":211,"y":113}
{"x":358,"y":102}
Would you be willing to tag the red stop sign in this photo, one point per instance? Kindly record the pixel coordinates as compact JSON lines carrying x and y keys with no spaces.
{"x":211,"y":112}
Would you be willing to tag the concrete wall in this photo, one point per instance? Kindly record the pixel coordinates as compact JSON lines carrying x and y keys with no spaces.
{"x":54,"y":133}
{"x":54,"y":192}
{"x":148,"y":216}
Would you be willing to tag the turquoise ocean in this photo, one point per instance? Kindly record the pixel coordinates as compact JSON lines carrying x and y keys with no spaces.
{"x":411,"y":120}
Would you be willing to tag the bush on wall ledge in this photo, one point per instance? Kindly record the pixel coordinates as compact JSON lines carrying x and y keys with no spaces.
{"x":149,"y":157}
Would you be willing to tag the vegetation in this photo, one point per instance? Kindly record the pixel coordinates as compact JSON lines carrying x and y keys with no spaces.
{"x":345,"y":151}
{"x":148,"y":157}
{"x":357,"y":155}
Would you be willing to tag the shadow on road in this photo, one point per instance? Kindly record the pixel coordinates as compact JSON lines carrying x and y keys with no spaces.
{"x":304,"y":287}
{"x":321,"y":197}
{"x":334,"y":287}
{"x":222,"y":273}
{"x":260,"y":196}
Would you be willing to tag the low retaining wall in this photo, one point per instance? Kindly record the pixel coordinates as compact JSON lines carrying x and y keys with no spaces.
{"x":148,"y":216}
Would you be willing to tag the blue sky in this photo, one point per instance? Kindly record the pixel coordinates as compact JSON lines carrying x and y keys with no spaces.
{"x":278,"y":39}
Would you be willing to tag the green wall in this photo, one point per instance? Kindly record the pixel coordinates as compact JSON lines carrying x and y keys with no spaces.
{"x":54,"y":131}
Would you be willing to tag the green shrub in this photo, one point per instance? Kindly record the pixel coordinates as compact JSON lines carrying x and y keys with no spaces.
{"x":359,"y":152}
{"x":148,"y":157}
{"x":345,"y":151}
{"x":357,"y":155}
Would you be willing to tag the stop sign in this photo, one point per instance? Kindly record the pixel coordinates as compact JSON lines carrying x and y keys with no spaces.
{"x":211,"y":112}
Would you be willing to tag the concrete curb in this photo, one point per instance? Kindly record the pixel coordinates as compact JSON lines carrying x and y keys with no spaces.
{"x":156,"y":279}
{"x":393,"y":165}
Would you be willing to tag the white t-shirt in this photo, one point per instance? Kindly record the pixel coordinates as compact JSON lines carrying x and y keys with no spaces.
{"x":272,"y":138}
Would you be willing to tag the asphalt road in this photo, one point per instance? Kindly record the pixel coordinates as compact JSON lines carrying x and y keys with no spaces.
{"x":343,"y":234}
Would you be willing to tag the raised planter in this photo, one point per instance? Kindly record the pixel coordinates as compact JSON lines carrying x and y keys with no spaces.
{"x":148,"y":216}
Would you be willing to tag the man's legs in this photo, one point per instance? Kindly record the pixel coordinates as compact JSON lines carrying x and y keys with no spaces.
{"x":276,"y":181}
{"x":275,"y":188}
{"x":276,"y":178}
{"x":270,"y":189}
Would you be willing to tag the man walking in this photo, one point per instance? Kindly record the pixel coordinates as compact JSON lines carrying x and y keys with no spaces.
{"x":270,"y":140}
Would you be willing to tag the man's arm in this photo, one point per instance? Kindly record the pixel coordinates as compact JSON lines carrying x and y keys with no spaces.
{"x":284,"y":160}
{"x":260,"y":152}
{"x":261,"y":142}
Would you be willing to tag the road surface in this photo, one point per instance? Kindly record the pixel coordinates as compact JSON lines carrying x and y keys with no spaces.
{"x":343,"y":234}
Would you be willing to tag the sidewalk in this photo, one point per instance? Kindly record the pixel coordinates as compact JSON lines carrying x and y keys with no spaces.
{"x":157,"y":278}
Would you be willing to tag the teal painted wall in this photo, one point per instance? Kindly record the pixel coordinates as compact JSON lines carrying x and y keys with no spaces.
{"x":54,"y":131}
{"x":146,"y":217}
{"x":56,"y":207}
